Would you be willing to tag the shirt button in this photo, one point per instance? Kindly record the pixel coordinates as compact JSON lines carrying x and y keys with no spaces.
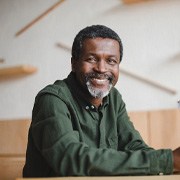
{"x":87,"y":107}
{"x":92,"y":107}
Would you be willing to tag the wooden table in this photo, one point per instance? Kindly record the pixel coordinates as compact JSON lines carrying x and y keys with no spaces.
{"x":161,"y":177}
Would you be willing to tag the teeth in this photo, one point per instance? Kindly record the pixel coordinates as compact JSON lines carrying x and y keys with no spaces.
{"x":100,"y":81}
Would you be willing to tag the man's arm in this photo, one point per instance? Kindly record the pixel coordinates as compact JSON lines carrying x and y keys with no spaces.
{"x":58,"y":141}
{"x":135,"y":142}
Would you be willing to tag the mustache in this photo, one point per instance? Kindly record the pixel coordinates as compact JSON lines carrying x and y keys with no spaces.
{"x":99,"y":76}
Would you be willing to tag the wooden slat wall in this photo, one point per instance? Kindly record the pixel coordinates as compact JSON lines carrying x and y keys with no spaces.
{"x":11,"y":167}
{"x":141,"y":123}
{"x":159,"y":128}
{"x":13,"y":142}
{"x":13,"y":136}
{"x":164,"y":129}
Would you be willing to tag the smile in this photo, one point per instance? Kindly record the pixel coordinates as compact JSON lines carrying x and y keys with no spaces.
{"x":96,"y":81}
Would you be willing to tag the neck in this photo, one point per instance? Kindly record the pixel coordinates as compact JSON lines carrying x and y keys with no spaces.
{"x":92,"y":100}
{"x":96,"y":101}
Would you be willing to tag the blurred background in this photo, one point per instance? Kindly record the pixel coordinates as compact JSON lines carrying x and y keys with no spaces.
{"x":38,"y":35}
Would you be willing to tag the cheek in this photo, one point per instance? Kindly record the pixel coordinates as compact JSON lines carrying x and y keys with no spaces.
{"x":79,"y":68}
{"x":85,"y":68}
{"x":116,"y":75}
{"x":81,"y":72}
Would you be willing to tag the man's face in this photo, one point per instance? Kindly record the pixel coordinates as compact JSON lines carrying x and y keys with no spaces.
{"x":97,"y":70}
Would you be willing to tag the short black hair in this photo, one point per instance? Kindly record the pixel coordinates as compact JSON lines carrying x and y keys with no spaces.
{"x":91,"y":32}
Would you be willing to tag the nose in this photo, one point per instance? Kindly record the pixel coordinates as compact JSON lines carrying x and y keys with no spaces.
{"x":100,"y":66}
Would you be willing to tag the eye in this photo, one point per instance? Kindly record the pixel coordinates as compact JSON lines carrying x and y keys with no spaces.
{"x":112,"y":61}
{"x":91,"y":59}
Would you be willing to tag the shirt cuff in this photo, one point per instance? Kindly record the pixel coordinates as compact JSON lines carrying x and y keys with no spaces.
{"x":161,"y":162}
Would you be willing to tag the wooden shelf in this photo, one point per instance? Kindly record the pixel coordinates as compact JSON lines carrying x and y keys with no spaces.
{"x":16,"y":71}
{"x":133,"y":1}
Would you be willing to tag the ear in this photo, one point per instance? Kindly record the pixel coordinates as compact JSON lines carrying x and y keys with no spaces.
{"x":73,"y":64}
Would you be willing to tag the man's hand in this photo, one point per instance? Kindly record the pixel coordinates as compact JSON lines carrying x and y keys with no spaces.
{"x":176,"y":156}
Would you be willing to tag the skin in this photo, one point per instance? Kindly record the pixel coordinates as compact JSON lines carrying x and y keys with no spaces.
{"x":176,"y":157}
{"x":99,"y":55}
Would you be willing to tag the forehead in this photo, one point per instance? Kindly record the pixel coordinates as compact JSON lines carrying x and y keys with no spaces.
{"x":101,"y":44}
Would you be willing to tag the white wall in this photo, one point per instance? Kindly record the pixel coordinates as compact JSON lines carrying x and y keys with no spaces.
{"x":150,"y":33}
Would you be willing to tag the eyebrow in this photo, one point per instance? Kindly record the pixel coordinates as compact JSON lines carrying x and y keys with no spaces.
{"x":93,"y":54}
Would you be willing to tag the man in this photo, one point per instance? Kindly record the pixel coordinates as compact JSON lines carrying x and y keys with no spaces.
{"x":80,"y":126}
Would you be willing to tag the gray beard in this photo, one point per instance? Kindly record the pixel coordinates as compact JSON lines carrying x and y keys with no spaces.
{"x":96,"y":92}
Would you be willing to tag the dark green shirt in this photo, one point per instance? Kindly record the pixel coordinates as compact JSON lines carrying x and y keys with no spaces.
{"x":70,"y":137}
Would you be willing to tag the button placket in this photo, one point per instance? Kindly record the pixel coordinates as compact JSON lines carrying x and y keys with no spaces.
{"x":102,"y":143}
{"x":92,"y":111}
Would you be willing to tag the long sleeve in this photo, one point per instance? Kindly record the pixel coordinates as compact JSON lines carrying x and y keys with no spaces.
{"x":158,"y":161}
{"x":57,"y":138}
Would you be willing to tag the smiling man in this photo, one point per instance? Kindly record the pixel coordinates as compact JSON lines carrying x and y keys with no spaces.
{"x":80,"y":126}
